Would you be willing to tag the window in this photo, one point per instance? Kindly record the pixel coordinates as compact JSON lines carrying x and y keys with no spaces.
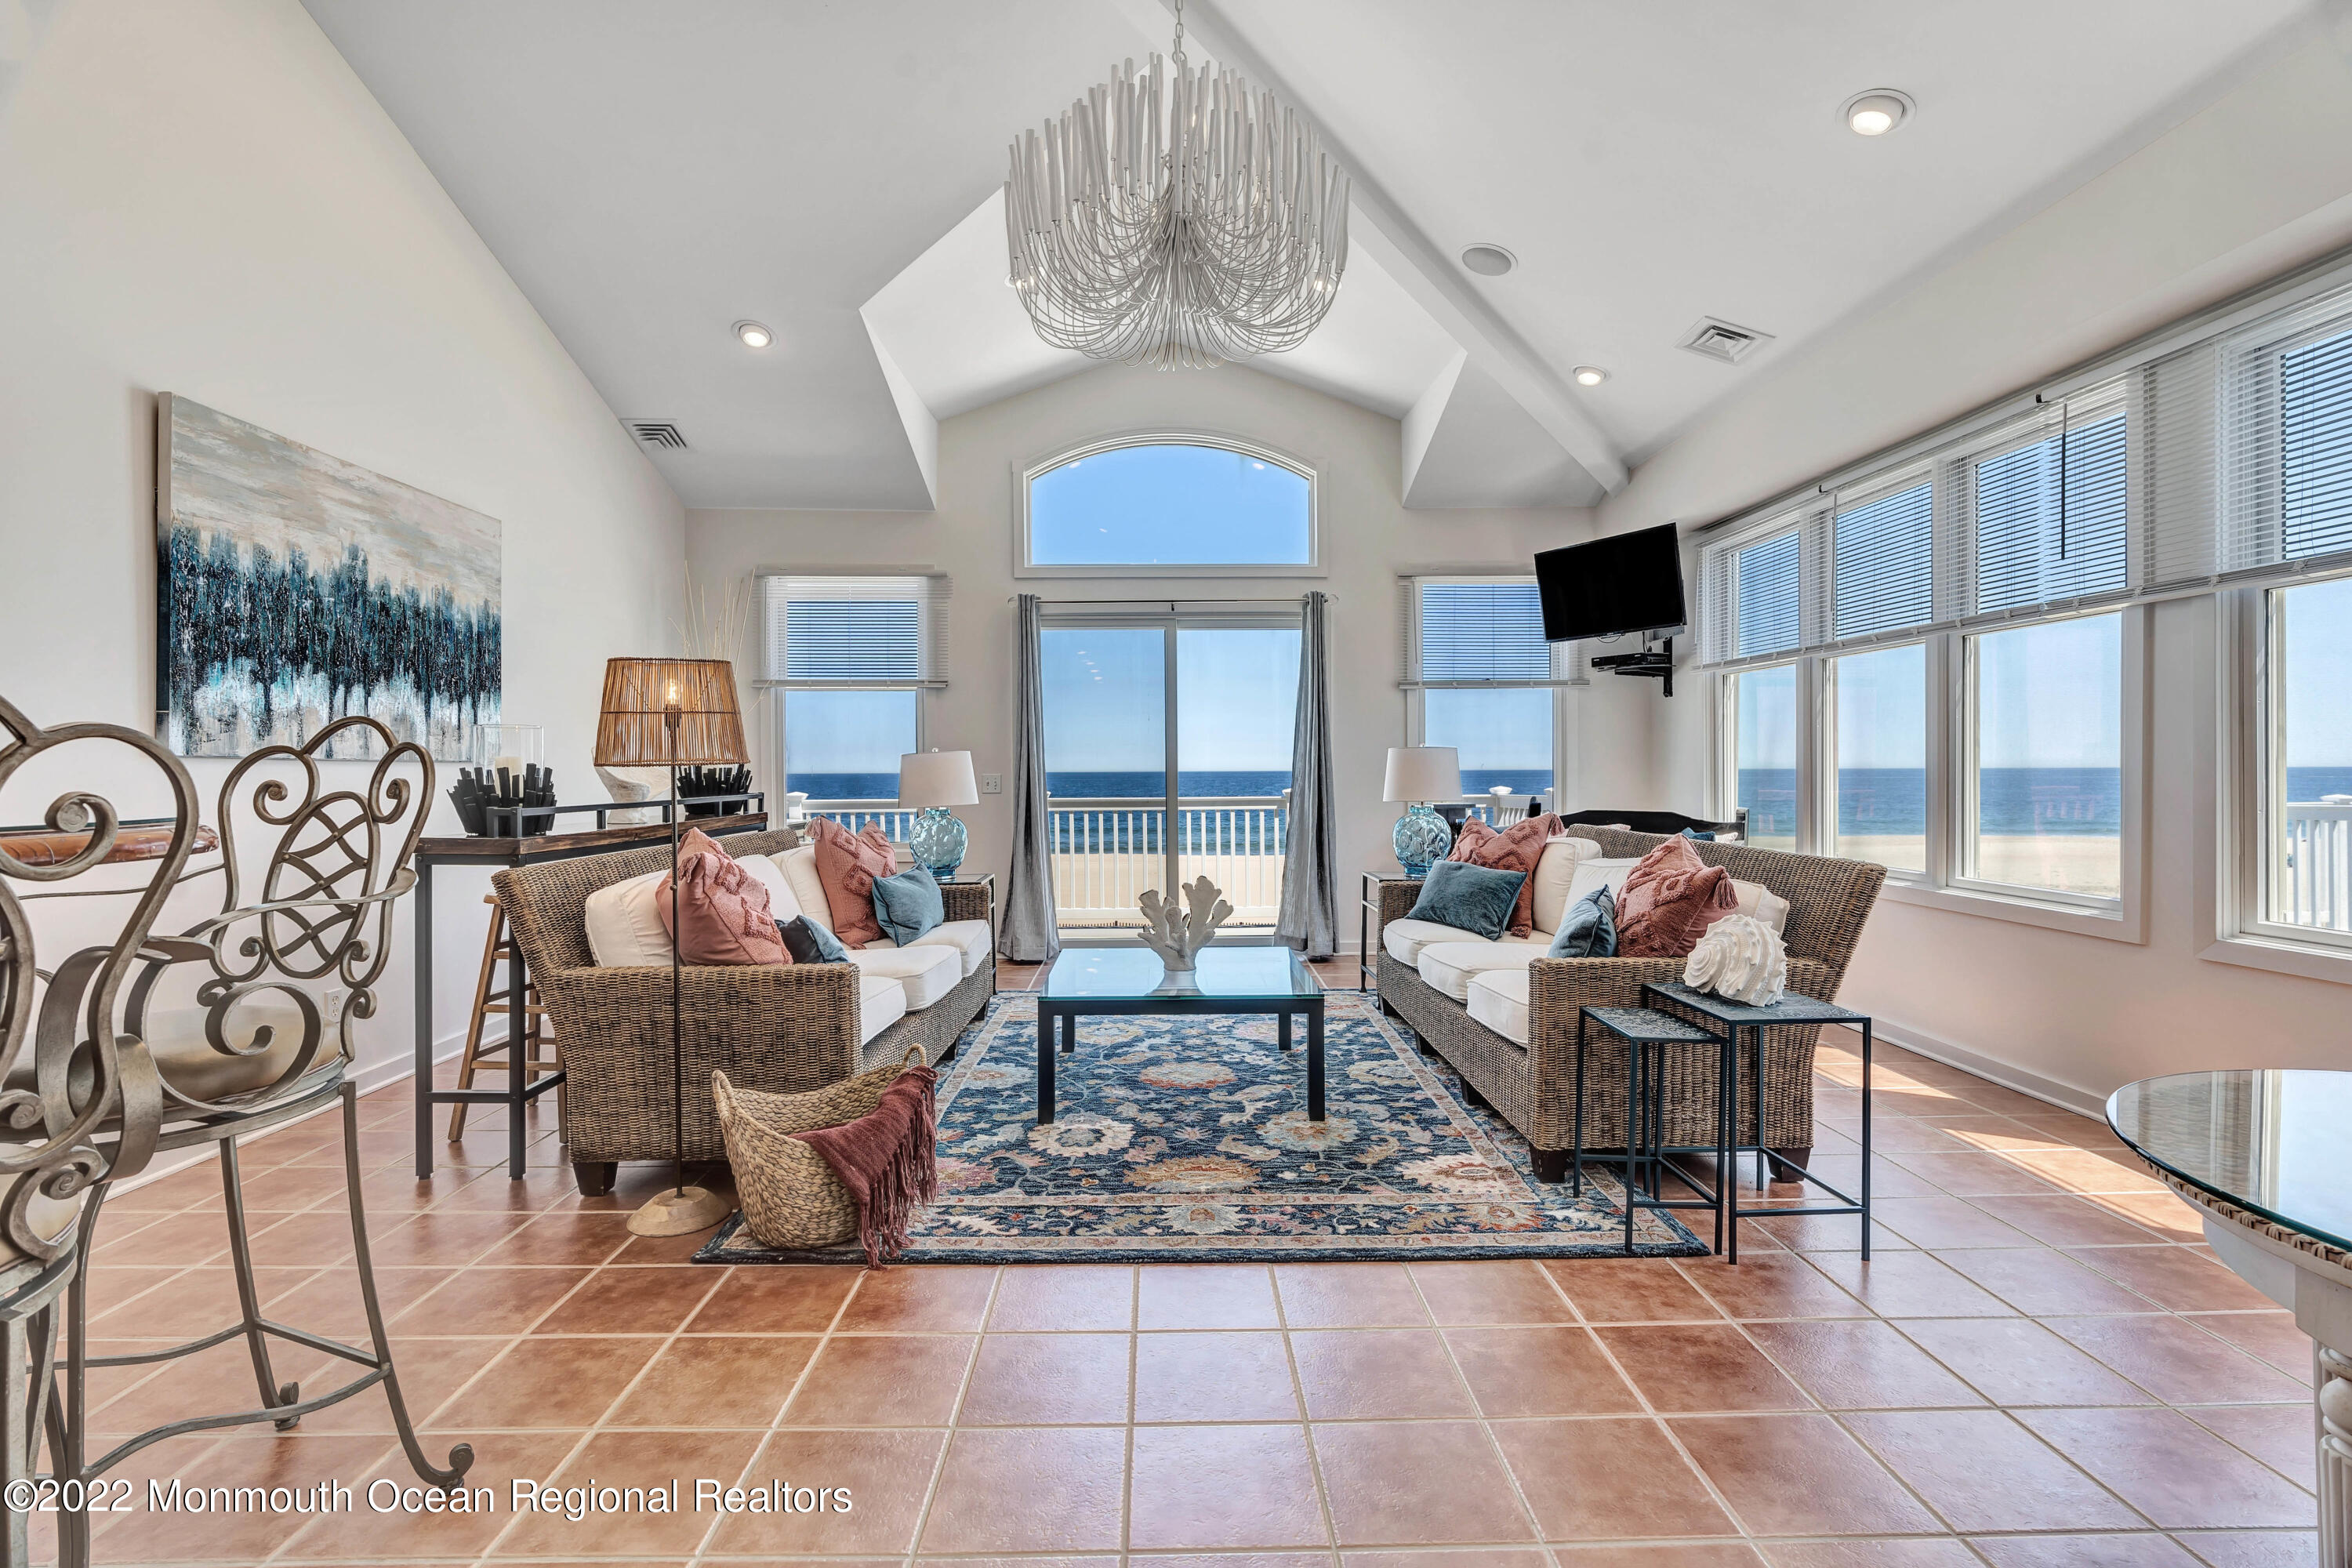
{"x":1764,"y":753}
{"x":1882,"y":757}
{"x":1885,"y":555}
{"x":2049,"y":518}
{"x":2044,"y":785}
{"x":1168,"y":505}
{"x":1766,"y":575}
{"x":1483,"y":680}
{"x":2307,"y":758}
{"x":848,"y":658}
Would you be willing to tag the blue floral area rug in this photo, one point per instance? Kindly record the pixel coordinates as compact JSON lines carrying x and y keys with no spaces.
{"x":1186,"y":1139}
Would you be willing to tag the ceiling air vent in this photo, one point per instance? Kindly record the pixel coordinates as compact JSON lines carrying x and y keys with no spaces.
{"x":658,"y":433}
{"x":1721,"y":340}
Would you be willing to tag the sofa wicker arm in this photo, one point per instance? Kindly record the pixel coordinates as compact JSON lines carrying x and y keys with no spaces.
{"x":782,"y":1028}
{"x":965,"y":901}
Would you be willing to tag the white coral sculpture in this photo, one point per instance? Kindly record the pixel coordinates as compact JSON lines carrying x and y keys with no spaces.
{"x":1179,"y":937}
{"x":1741,"y":958}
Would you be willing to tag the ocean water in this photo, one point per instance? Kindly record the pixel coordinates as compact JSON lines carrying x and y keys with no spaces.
{"x":2070,"y":801}
{"x":1140,"y":785}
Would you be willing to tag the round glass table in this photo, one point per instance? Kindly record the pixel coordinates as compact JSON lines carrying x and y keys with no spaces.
{"x":2267,"y":1155}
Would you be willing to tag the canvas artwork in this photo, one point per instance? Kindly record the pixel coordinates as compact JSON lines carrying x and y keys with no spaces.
{"x":294,"y":588}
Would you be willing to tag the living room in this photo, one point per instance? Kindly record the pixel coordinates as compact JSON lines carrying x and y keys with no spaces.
{"x":1995,"y":791}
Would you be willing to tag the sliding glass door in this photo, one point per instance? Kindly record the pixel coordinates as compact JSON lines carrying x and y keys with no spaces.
{"x":1168,"y":747}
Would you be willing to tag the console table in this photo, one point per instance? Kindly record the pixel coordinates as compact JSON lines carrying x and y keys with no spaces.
{"x":2266,"y":1154}
{"x":434,"y":852}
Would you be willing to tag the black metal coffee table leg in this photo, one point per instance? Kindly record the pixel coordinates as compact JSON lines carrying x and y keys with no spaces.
{"x":1282,"y":1029}
{"x":1314,"y":1062}
{"x":1044,"y":1063}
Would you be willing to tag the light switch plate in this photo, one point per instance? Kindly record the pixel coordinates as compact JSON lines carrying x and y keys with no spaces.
{"x":992,"y":783}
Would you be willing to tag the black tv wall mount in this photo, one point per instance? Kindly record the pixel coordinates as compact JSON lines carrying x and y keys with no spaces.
{"x":1650,"y":661}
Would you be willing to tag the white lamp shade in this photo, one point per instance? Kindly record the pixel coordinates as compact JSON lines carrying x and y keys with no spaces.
{"x":1423,"y":773}
{"x":937,"y":778}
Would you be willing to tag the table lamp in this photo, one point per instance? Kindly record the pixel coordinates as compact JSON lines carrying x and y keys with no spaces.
{"x":1417,"y":775}
{"x":935,"y":780}
{"x":673,"y":713}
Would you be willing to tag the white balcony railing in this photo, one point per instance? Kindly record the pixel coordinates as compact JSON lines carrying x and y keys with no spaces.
{"x":1106,"y":853}
{"x":2315,"y":865}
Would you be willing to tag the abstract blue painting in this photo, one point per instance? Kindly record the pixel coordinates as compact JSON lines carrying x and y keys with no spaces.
{"x":293,"y":589}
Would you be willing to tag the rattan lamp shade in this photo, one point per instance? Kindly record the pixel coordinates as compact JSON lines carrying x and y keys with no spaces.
{"x":632,"y":731}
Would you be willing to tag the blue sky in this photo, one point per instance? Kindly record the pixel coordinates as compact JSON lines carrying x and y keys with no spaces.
{"x":1105,"y":707}
{"x":1168,"y":505}
{"x":2319,"y":673}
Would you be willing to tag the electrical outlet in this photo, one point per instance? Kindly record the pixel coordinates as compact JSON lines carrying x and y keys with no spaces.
{"x":335,"y":999}
{"x":992,"y":783}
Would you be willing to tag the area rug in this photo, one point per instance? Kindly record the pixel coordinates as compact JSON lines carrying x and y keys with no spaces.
{"x":1186,"y":1139}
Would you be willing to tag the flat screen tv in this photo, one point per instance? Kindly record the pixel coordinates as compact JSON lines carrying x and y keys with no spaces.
{"x":1626,"y":583}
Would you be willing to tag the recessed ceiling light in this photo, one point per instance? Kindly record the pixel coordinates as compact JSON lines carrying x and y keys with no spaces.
{"x":1488,"y":261}
{"x":1590,"y":375}
{"x":754,"y":334}
{"x":1877,"y":111}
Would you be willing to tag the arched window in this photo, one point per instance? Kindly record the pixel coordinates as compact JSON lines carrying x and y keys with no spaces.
{"x":1174,"y":505}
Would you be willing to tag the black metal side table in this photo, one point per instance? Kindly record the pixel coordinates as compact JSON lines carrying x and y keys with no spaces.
{"x":1649,"y":1034}
{"x":1731,"y":1018}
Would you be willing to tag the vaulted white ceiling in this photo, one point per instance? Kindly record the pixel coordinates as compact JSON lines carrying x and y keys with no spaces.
{"x":649,"y":175}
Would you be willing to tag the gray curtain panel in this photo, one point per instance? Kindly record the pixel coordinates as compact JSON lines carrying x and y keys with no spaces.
{"x":1027,"y":935}
{"x":1309,"y":921}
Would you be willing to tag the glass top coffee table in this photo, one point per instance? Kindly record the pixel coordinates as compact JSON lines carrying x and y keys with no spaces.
{"x":2267,"y":1155}
{"x":1111,"y":981}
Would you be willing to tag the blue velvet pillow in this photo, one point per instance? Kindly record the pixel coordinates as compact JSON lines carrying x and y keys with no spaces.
{"x":1695,"y":833}
{"x":1468,"y":898}
{"x":810,"y":942}
{"x":907,"y":904}
{"x":1590,"y":929}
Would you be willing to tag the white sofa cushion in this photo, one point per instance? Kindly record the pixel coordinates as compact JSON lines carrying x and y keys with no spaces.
{"x":1553,"y":874}
{"x":1405,"y":939}
{"x":1498,"y":999}
{"x":969,"y":938}
{"x":1762,"y":903}
{"x":625,"y":928}
{"x":1451,"y":966}
{"x":926,"y":974}
{"x":799,"y":866}
{"x":881,"y":1002}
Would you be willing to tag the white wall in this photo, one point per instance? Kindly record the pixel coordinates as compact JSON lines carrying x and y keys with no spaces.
{"x":198,"y":196}
{"x":2256,"y":183}
{"x":1369,"y":537}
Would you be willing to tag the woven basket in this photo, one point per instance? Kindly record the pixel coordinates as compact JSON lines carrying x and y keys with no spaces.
{"x":791,"y":1196}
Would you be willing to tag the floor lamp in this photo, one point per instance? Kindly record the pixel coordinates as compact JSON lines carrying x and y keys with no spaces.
{"x":672,"y":713}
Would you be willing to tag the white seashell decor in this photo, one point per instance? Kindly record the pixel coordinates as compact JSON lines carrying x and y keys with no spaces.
{"x":1740,"y":959}
{"x":1178,"y":936}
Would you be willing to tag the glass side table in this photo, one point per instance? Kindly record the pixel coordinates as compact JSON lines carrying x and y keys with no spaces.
{"x":1368,"y":921}
{"x":1731,"y":1018}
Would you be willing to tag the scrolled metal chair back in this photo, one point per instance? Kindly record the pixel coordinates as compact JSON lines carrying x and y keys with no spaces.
{"x":338,"y":861}
{"x":84,"y":1070}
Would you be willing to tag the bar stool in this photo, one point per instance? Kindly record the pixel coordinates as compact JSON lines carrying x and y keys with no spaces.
{"x":489,"y":1001}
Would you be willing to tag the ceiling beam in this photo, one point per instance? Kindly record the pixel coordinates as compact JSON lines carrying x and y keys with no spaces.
{"x":1424,"y":271}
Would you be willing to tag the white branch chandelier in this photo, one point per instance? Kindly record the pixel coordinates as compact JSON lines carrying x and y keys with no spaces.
{"x":1175,"y":223}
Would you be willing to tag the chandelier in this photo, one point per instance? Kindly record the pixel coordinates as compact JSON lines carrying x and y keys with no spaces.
{"x":1175,"y":220}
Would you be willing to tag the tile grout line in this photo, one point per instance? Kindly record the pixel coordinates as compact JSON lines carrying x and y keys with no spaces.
{"x":955,"y":1409}
{"x":1306,"y":1418}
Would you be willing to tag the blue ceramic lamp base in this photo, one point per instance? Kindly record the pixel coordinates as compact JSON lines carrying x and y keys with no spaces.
{"x":937,"y":841}
{"x":1422,"y":838}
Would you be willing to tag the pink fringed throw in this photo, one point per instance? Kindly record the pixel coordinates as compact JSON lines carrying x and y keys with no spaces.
{"x":885,"y":1159}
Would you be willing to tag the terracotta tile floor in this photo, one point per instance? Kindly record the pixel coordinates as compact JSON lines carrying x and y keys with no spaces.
{"x":2041,"y":1367}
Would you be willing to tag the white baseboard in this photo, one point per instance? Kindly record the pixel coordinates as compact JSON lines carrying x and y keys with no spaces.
{"x":369,"y":1080}
{"x":2009,"y":1075}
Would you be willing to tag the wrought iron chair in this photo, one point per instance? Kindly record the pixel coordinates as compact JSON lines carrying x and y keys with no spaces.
{"x":252,"y":1053}
{"x":51,"y":1161}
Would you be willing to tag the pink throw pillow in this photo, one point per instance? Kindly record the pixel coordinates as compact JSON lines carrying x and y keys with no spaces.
{"x":1669,"y":901}
{"x":723,"y":914}
{"x":847,"y":863}
{"x":1516,"y":849}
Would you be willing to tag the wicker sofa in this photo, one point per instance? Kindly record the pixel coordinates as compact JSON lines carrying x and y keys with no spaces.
{"x":781,"y":1028}
{"x":1531,"y":1083}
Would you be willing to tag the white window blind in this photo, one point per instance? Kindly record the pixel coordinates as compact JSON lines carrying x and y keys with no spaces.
{"x":836,"y":630}
{"x":1883,"y":555}
{"x":2049,"y":515}
{"x":1765,"y":586}
{"x":1463,"y":631}
{"x":2315,"y":448}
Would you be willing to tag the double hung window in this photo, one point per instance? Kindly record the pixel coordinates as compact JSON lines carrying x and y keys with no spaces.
{"x":1483,"y":681}
{"x":847,"y":658}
